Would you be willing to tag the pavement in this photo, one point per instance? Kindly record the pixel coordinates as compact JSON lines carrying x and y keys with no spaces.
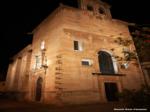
{"x":16,"y":106}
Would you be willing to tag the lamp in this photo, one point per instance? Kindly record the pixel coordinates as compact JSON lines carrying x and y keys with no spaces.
{"x":125,"y":65}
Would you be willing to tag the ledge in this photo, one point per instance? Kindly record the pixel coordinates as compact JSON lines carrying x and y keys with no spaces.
{"x":108,"y":74}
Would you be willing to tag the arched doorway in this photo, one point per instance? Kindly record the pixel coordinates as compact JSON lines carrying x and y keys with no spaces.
{"x":38,"y":89}
{"x":105,"y":63}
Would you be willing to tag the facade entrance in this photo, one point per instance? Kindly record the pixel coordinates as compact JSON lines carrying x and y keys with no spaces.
{"x":111,"y":91}
{"x":38,"y":89}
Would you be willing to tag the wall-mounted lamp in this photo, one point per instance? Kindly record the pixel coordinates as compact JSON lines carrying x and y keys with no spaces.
{"x":125,"y":65}
{"x":45,"y":67}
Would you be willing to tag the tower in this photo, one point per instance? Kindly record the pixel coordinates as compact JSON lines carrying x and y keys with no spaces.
{"x":99,"y":8}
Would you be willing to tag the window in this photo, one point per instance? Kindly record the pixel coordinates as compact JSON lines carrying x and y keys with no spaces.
{"x":105,"y":63}
{"x":86,"y":62}
{"x":101,"y":10}
{"x":89,"y":7}
{"x":78,"y":46}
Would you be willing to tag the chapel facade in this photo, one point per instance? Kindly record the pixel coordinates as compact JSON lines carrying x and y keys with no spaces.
{"x":73,"y":58}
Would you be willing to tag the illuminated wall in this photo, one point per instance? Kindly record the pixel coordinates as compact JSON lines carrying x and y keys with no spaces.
{"x":64,"y":56}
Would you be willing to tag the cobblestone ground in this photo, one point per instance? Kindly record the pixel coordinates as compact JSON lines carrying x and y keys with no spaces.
{"x":14,"y":106}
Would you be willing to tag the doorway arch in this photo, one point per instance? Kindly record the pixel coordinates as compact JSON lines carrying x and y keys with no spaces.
{"x":38,"y":91}
{"x":105,"y":63}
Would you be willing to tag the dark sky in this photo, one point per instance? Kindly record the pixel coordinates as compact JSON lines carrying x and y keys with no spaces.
{"x":18,"y":17}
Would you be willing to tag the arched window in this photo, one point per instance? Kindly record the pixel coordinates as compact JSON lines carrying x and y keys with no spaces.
{"x":101,"y":10}
{"x":89,"y":7}
{"x":105,"y":63}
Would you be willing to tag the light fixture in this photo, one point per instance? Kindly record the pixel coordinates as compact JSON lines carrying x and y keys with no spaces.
{"x":45,"y":67}
{"x":125,"y":65}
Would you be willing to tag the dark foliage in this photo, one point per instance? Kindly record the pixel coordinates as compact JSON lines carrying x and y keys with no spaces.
{"x":141,"y":37}
{"x":136,"y":98}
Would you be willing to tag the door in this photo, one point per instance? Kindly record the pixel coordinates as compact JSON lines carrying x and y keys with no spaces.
{"x":38,"y":89}
{"x":111,"y":91}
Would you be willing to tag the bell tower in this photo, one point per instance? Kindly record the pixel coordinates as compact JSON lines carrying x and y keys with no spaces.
{"x":98,"y":7}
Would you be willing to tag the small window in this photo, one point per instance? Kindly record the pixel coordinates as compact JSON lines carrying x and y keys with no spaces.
{"x":78,"y":46}
{"x":86,"y":62}
{"x":89,"y":7}
{"x":101,"y":10}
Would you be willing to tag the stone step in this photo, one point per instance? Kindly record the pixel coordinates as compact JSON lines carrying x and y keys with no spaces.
{"x":58,"y":83}
{"x":59,"y":88}
{"x":58,"y":77}
{"x":59,"y":62}
{"x":58,"y":73}
{"x":59,"y":56}
{"x":58,"y":68}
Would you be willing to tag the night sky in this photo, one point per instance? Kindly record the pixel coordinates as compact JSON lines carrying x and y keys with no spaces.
{"x":19,"y":17}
